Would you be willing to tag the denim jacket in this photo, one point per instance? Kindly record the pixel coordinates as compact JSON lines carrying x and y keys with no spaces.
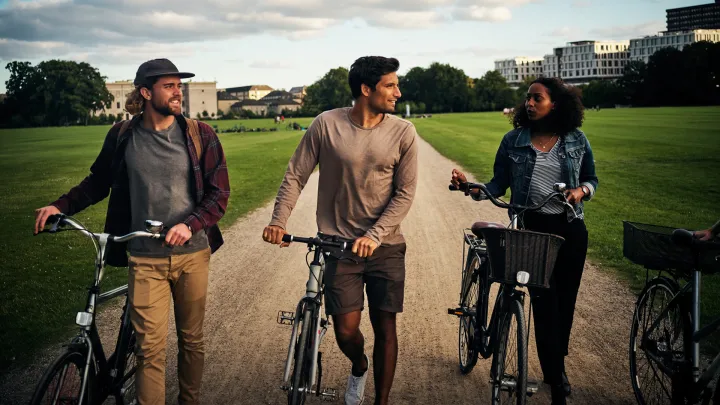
{"x":515,"y":161}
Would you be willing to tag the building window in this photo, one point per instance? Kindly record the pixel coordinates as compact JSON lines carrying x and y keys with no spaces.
{"x":118,"y":104}
{"x":594,"y":71}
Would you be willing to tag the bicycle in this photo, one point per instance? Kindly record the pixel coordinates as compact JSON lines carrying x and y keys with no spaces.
{"x":665,"y":334}
{"x":83,"y":374}
{"x":514,"y":258}
{"x":309,"y":326}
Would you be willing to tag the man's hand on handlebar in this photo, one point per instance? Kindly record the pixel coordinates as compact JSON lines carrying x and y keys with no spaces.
{"x":274,"y":234}
{"x":42,"y":215}
{"x":178,"y":235}
{"x":364,"y":247}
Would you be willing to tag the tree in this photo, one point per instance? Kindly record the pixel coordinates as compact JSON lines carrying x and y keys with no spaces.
{"x":441,"y":87}
{"x":605,"y":93}
{"x":492,"y":93}
{"x":632,"y":82}
{"x":205,"y":114}
{"x":331,"y":91}
{"x":666,"y":78}
{"x":55,"y":92}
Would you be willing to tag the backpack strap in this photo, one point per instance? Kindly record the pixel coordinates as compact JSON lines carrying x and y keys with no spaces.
{"x":194,"y":130}
{"x":124,"y":127}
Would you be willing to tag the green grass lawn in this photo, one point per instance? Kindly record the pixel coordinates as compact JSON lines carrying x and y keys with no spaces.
{"x":657,"y":166}
{"x":43,"y":279}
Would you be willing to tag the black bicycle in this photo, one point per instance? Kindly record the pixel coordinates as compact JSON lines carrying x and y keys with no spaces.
{"x":83,"y":374}
{"x":514,"y":258}
{"x":309,"y":325}
{"x":665,"y":333}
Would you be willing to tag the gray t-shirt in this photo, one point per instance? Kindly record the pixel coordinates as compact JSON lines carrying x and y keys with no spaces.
{"x":159,"y":171}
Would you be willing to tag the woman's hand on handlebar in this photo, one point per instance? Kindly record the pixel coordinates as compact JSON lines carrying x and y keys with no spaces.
{"x":574,"y":195}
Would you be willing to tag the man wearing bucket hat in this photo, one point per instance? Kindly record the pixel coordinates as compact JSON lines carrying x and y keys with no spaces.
{"x":160,"y":166}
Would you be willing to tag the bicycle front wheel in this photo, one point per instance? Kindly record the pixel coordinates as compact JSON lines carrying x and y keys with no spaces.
{"x":509,"y":368}
{"x":301,"y":367}
{"x":62,"y":381}
{"x":470,"y":292}
{"x":661,"y":349}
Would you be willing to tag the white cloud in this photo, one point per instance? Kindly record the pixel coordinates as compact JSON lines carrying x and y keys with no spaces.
{"x":481,"y":13}
{"x":629,"y":31}
{"x":271,"y":64}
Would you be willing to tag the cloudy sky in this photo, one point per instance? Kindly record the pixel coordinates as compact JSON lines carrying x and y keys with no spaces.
{"x":286,"y":43}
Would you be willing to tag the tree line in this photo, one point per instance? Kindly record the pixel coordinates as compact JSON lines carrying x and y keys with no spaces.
{"x":70,"y":93}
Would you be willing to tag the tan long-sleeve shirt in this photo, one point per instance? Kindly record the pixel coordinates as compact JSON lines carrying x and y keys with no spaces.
{"x":367,"y":176}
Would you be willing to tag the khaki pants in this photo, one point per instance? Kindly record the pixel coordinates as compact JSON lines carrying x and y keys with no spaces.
{"x":152,"y":281}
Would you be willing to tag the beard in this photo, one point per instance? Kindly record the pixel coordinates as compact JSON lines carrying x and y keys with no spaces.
{"x":164,"y":108}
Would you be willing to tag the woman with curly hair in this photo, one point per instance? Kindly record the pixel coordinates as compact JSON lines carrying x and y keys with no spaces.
{"x":546,"y":147}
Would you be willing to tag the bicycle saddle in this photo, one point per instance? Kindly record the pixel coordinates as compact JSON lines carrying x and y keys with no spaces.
{"x":478,"y":226}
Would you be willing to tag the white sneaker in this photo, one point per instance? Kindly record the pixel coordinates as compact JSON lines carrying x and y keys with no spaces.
{"x":355,"y":392}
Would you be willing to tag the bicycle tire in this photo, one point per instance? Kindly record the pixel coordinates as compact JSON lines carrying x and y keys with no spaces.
{"x":298,"y":390}
{"x":73,"y":356}
{"x":674,"y":334}
{"x":125,"y":392}
{"x":467,"y":351}
{"x":509,"y":384}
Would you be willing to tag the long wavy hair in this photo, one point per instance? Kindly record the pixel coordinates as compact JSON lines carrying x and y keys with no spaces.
{"x":135,"y":103}
{"x":568,"y":114}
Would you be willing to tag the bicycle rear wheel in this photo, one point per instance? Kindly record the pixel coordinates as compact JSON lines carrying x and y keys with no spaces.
{"x":301,"y":368}
{"x":62,"y":381}
{"x":665,"y":348}
{"x":467,"y":351}
{"x":509,"y":368}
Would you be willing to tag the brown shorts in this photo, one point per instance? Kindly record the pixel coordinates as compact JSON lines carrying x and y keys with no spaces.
{"x":383,"y":275}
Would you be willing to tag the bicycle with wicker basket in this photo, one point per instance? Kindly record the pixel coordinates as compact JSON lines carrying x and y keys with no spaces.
{"x":665,"y":333}
{"x":514,"y":258}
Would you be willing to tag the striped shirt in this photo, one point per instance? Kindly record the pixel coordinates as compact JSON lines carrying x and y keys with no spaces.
{"x":546,"y":173}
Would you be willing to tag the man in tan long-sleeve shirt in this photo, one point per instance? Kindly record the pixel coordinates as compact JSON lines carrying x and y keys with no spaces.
{"x":368,"y":175}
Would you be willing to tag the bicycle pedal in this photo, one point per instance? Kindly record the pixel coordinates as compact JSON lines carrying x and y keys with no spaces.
{"x":286,"y":318}
{"x":532,"y":388}
{"x":328,"y":394}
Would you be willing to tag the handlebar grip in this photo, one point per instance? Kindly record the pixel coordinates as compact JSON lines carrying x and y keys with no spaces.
{"x":287,"y":238}
{"x":54,"y":218}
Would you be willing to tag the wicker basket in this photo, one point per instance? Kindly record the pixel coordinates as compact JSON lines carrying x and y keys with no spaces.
{"x":512,"y":250}
{"x":652,"y":246}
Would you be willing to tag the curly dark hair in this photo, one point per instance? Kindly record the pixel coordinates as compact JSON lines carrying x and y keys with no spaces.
{"x":568,"y":114}
{"x":367,"y":70}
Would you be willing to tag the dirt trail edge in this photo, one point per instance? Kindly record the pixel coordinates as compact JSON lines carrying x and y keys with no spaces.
{"x":251,"y":280}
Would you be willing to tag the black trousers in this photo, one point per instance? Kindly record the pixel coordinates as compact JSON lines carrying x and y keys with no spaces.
{"x":554,"y":308}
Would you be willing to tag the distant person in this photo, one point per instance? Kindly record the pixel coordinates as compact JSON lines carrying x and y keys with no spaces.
{"x":282,"y":119}
{"x":152,"y":166}
{"x":545,"y":147}
{"x":368,"y":175}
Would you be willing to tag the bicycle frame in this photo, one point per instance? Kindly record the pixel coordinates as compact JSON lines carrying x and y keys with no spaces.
{"x":312,"y":300}
{"x":89,"y":338}
{"x":700,"y":381}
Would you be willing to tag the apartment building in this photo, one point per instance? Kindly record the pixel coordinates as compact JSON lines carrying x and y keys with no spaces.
{"x":253,"y":92}
{"x":119,"y":90}
{"x":583,"y":61}
{"x":704,"y":16}
{"x":642,"y":48}
{"x":517,"y":69}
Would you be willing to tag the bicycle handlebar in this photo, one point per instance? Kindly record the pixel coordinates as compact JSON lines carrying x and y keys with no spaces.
{"x":558,"y":187}
{"x":58,"y":220}
{"x":317,"y":242}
